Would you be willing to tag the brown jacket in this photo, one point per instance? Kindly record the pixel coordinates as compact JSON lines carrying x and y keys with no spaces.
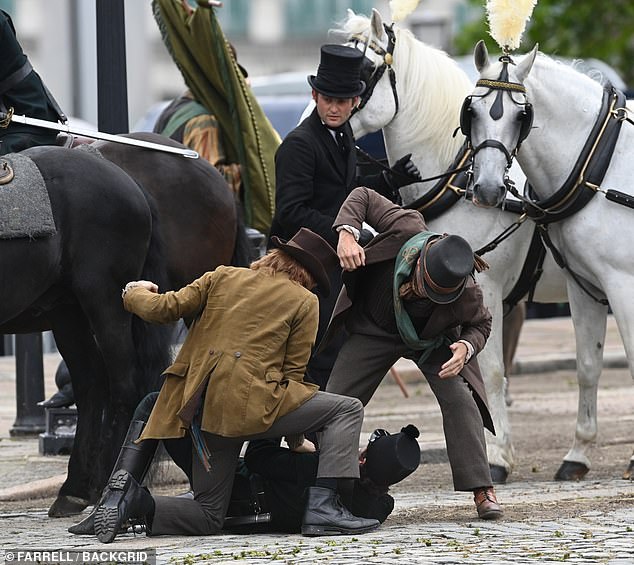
{"x":245,"y":355}
{"x":467,"y":318}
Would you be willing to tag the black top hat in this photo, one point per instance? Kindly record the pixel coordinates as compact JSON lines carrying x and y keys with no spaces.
{"x":339,"y":72}
{"x":392,"y":457}
{"x":313,"y":252}
{"x":444,"y":267}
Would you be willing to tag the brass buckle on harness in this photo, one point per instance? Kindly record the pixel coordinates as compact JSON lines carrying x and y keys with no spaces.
{"x":6,"y":172}
{"x":4,"y":123}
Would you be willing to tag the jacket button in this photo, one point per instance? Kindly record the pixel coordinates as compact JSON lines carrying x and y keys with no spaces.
{"x":237,"y":354}
{"x":211,"y":352}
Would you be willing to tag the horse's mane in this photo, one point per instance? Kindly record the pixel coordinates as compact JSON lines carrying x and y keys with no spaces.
{"x":435,"y":85}
{"x":568,"y":72}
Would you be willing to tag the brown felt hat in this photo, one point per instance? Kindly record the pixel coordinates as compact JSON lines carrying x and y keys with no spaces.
{"x":445,"y":264}
{"x":313,"y":252}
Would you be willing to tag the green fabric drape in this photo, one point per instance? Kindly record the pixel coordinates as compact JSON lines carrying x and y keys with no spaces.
{"x":201,"y":52}
{"x":405,"y":262}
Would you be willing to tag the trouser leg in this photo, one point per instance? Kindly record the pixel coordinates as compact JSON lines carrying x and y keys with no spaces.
{"x":362,"y":363}
{"x":204,"y":514}
{"x":339,"y":420}
{"x":464,"y":431}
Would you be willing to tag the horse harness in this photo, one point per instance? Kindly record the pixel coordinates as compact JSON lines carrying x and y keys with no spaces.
{"x":388,"y":58}
{"x":501,"y":85}
{"x":586,"y":176}
{"x":452,"y":184}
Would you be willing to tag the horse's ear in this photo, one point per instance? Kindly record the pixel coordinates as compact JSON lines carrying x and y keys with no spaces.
{"x":376,"y":23}
{"x":526,"y":64}
{"x":481,"y":56}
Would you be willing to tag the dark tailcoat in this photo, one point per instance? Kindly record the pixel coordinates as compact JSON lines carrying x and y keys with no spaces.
{"x":313,"y":178}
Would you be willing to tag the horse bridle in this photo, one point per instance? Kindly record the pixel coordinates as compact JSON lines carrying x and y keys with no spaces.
{"x":501,"y":85}
{"x":388,"y":59}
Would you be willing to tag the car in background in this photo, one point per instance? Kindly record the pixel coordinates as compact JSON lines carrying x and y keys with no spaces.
{"x":283,"y":97}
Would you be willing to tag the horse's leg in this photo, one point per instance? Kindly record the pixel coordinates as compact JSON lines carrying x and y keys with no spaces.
{"x":113,"y":333}
{"x":623,"y":314}
{"x":589,"y":319}
{"x":131,"y":365}
{"x":75,"y":342}
{"x":499,"y":446}
{"x":511,"y":329}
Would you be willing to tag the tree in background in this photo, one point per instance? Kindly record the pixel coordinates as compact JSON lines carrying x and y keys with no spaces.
{"x":567,"y":28}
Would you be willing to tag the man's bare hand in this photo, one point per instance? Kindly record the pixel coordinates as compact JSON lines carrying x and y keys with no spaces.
{"x":148,"y":285}
{"x":351,"y":254}
{"x":453,"y":367}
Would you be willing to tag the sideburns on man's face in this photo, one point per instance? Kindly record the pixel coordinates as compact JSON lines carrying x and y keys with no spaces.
{"x":334,"y":112}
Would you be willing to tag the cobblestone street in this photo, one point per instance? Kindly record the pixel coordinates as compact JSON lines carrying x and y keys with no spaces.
{"x":546,"y":521}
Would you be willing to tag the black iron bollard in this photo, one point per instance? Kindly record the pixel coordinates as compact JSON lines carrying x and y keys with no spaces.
{"x":29,"y":385}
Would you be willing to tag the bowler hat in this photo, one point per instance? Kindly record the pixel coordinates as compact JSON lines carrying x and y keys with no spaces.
{"x":313,"y":252}
{"x":339,"y":72}
{"x":392,"y":457}
{"x":444,"y":266}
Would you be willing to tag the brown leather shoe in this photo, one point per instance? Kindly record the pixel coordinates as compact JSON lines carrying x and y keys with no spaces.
{"x":487,"y":504}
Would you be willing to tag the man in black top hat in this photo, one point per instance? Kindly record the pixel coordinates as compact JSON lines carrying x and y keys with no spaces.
{"x":23,"y":93}
{"x":316,"y":168}
{"x":411,"y":293}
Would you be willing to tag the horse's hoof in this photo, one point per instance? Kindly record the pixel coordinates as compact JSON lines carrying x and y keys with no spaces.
{"x":571,"y":471}
{"x":67,"y":506}
{"x":628,"y":475}
{"x":499,"y":474}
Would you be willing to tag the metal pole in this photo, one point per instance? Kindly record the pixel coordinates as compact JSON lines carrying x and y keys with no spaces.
{"x":112,"y":89}
{"x":29,"y":385}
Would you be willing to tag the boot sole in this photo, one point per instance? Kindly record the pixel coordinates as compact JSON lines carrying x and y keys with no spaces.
{"x":312,"y":531}
{"x":491,"y":515}
{"x":107,"y":520}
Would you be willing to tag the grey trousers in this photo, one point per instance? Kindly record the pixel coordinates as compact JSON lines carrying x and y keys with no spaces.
{"x":363,"y":362}
{"x":337,"y":418}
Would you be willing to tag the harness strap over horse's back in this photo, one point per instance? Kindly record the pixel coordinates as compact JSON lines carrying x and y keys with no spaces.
{"x":590,"y":168}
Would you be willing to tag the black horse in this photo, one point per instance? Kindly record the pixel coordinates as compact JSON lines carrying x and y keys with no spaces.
{"x":167,"y":219}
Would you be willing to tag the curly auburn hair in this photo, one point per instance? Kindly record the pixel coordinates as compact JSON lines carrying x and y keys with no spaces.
{"x":276,"y":261}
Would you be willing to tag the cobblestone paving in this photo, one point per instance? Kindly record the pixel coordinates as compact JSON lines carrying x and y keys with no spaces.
{"x":593,"y":537}
{"x":546,"y":521}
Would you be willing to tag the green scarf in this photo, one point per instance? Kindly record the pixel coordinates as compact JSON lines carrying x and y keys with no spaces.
{"x":405,"y":263}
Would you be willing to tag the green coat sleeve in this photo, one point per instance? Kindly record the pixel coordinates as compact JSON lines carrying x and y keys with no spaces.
{"x":170,"y":306}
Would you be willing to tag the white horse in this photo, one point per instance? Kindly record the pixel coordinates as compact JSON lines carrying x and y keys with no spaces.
{"x":415,"y":96}
{"x":586,"y":215}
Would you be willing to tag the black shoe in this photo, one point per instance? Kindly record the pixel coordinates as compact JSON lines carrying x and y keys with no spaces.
{"x":326,"y":516}
{"x":63,"y":398}
{"x":123,"y":499}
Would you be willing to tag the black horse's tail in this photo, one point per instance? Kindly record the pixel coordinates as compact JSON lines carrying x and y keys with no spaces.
{"x":152,"y":341}
{"x":244,"y":251}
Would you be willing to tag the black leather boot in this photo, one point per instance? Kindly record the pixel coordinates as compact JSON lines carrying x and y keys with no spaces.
{"x":133,"y":458}
{"x":124,"y":499}
{"x":324,"y":515}
{"x":64,"y":396}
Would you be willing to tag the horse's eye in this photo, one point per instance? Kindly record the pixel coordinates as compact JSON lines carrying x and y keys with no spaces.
{"x":367,"y":69}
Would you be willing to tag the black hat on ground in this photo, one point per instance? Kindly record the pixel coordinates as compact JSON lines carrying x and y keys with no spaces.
{"x":392,"y":457}
{"x":339,"y":72}
{"x":445,"y":264}
{"x":313,"y":252}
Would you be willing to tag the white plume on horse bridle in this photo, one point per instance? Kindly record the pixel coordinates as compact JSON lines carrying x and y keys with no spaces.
{"x":400,"y":9}
{"x":507,"y":21}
